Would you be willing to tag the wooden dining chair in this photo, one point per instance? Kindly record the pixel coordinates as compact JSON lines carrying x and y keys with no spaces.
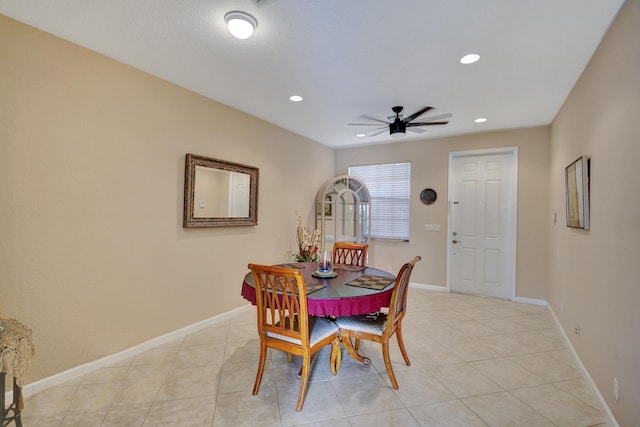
{"x":380,"y":327}
{"x":350,"y":253}
{"x":284,"y":323}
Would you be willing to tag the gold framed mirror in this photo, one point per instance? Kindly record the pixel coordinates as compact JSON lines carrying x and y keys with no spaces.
{"x":218,"y":193}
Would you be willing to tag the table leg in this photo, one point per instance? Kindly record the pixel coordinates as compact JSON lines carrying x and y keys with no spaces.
{"x":3,"y":411}
{"x":18,"y":403}
{"x":354,"y":353}
{"x":15,"y":406}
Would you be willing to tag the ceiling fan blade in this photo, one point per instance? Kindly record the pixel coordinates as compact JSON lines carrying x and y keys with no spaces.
{"x":425,"y":123}
{"x":379,"y":131}
{"x":415,"y":130}
{"x":375,"y":120}
{"x":416,"y":114}
{"x":363,"y":124}
{"x":438,"y":117}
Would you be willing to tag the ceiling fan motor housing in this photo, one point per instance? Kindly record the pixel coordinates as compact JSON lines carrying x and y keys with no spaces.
{"x":397,"y":127}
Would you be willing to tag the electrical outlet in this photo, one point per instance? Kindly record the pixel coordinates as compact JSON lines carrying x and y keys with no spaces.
{"x":577,"y":330}
{"x":616,"y":389}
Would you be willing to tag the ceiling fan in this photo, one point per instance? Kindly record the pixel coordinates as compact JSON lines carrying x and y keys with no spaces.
{"x":400,"y":124}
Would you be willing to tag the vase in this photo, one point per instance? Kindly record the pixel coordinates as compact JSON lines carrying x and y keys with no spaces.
{"x":325,"y":265}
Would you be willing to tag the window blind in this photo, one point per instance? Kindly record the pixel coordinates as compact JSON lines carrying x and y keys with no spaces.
{"x":389,"y":187}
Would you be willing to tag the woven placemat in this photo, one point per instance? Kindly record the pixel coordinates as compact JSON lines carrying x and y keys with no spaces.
{"x":312,"y":287}
{"x":370,"y":281}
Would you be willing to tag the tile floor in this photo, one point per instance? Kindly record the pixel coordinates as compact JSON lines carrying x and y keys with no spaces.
{"x":474,"y":362}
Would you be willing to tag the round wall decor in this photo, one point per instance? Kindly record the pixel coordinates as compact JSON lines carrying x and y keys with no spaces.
{"x":428,"y":196}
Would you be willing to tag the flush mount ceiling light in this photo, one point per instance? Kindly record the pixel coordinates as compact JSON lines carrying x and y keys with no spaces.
{"x":470,"y":58}
{"x":295,"y":98}
{"x":240,"y":24}
{"x":480,"y":120}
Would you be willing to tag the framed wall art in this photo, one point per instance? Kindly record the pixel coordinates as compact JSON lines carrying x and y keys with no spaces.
{"x":576,"y":179}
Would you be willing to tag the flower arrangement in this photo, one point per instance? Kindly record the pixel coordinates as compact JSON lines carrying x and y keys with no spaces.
{"x":308,"y":242}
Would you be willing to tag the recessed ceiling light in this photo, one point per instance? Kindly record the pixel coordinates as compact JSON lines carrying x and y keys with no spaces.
{"x":470,"y":58}
{"x":295,"y":98}
{"x":361,"y":135}
{"x":480,"y":120}
{"x":240,"y":24}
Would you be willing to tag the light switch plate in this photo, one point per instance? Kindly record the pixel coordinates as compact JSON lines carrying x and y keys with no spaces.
{"x":432,"y":227}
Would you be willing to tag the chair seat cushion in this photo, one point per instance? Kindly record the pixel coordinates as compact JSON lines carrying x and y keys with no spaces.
{"x":319,"y":329}
{"x":363,"y":323}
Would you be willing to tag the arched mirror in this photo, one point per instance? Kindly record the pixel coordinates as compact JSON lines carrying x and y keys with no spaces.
{"x":218,"y":193}
{"x":342,"y":211}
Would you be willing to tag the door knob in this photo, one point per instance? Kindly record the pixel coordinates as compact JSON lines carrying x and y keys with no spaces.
{"x":455,"y":241}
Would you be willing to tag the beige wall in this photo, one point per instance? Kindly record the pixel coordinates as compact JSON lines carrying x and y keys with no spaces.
{"x":595,"y":274}
{"x":93,"y":255}
{"x":429,"y":169}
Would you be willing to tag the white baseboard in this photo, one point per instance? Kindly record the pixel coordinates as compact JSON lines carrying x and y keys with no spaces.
{"x":428,"y":287}
{"x":611,"y":420}
{"x":531,"y":301}
{"x":62,"y":377}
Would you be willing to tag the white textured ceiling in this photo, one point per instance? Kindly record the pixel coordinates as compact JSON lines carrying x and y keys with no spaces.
{"x":349,"y":58}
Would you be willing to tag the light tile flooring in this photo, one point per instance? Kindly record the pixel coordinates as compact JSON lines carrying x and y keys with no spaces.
{"x":474,"y":362}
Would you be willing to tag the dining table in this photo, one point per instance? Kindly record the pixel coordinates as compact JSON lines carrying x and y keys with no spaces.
{"x":353,"y":290}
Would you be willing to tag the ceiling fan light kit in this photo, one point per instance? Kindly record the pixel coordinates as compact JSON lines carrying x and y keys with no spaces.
{"x":397,"y":129}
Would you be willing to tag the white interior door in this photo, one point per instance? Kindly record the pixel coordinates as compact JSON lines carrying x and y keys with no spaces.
{"x":482,"y":222}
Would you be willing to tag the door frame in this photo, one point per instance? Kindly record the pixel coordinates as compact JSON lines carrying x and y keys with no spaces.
{"x":513,"y":241}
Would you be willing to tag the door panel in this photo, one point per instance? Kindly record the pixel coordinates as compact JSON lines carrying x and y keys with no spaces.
{"x":469,"y":223}
{"x":492,"y":267}
{"x":468,"y":264}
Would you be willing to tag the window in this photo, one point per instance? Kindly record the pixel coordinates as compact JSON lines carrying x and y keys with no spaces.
{"x":389,"y":186}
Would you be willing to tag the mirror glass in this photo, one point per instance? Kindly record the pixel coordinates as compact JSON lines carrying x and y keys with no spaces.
{"x":219,"y":193}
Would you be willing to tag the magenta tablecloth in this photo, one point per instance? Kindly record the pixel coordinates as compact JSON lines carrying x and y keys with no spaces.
{"x":336,"y":298}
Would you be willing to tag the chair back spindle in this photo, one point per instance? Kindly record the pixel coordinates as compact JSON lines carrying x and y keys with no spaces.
{"x":350,"y":253}
{"x":277,"y":302}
